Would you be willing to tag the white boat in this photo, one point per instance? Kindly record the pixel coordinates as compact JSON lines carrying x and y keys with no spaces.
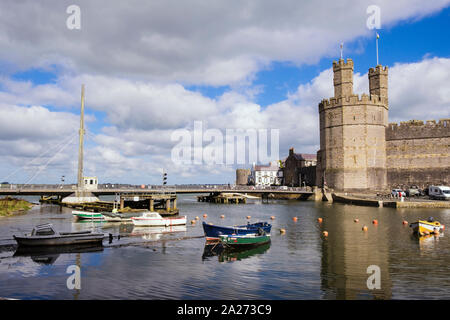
{"x":151,"y":218}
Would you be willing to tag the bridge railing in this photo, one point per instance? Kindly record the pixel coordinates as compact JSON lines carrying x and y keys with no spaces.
{"x":151,"y":188}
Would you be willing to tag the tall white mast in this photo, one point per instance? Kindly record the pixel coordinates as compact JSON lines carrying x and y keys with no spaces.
{"x":80,"y":148}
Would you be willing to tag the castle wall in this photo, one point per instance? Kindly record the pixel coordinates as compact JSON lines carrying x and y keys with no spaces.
{"x":360,"y":151}
{"x":353,"y":149}
{"x":418,"y":153}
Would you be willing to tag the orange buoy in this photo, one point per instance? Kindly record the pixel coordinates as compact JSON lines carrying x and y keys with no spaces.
{"x":248,"y":217}
{"x":325,"y":233}
{"x":222,"y":216}
{"x":320,"y":220}
{"x":205,"y":215}
{"x":295,"y":218}
{"x":443,"y":227}
{"x":193,"y":221}
{"x":375,"y":221}
{"x":356,"y":220}
{"x":405,"y":222}
{"x":272,"y":217}
{"x":282,"y":230}
{"x":364,"y":228}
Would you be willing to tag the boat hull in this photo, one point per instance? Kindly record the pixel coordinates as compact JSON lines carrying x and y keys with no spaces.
{"x":244,"y":241}
{"x":39,"y":241}
{"x":422,"y":227}
{"x":213,"y":232}
{"x":158,"y":222}
{"x":82,"y":215}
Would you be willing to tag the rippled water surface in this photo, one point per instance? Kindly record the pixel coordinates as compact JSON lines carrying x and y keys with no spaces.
{"x":149,"y":263}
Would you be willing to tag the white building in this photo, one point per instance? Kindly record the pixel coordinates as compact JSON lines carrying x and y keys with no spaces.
{"x":267,"y":175}
{"x":90,"y":183}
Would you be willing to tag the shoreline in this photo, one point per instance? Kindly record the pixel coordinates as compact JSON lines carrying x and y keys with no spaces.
{"x":14,"y":206}
{"x":366,"y":200}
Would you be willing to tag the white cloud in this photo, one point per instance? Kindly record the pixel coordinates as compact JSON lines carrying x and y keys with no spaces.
{"x":193,"y":41}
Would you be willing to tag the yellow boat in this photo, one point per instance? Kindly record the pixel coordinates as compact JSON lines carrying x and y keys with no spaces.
{"x":429,"y":226}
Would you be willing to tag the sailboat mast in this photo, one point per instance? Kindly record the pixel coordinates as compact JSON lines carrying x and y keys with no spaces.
{"x":80,"y":148}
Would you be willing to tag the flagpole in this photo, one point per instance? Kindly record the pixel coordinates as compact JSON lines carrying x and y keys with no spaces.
{"x":377,"y":46}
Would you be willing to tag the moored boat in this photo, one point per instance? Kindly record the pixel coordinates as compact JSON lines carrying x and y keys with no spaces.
{"x":245,"y":240}
{"x":213,"y":232}
{"x":46,"y":235}
{"x":151,"y":218}
{"x":429,"y":226}
{"x":120,"y":217}
{"x":86,"y":215}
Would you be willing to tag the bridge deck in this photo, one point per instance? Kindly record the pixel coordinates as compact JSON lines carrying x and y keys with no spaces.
{"x":66,"y":192}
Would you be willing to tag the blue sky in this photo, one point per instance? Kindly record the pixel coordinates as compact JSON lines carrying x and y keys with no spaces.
{"x":150,"y":71}
{"x":408,"y":41}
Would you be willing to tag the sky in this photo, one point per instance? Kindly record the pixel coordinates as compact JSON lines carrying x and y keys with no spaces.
{"x":155,"y":71}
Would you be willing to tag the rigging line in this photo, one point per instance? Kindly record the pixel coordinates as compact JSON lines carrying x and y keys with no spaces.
{"x":46,"y":164}
{"x":39,"y":156}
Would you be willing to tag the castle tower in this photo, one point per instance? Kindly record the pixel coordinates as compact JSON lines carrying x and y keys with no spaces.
{"x":352,"y":153}
{"x":343,"y":78}
{"x":378,"y":82}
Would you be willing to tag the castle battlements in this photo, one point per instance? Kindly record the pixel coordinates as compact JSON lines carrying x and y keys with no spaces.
{"x":342,"y":64}
{"x":378,"y":70}
{"x":444,"y":123}
{"x":418,"y":129}
{"x":355,"y":99}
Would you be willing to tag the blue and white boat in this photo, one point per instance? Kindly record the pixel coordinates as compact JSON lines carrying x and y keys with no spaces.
{"x":213,"y":232}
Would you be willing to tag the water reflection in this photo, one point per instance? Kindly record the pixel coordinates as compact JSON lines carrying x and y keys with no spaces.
{"x":48,"y":255}
{"x":231,"y":254}
{"x":348,"y":252}
{"x":427,"y":243}
{"x":301,"y":264}
{"x":155,"y":233}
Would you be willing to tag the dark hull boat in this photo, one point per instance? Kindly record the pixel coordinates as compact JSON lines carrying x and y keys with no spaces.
{"x":213,"y":232}
{"x":45,"y":235}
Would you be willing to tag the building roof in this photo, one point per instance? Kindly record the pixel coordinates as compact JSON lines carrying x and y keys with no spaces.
{"x":305,"y":156}
{"x":266,"y":168}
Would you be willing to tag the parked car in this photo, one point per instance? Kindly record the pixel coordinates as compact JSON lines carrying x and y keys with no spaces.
{"x":439,"y":192}
{"x":398,"y":193}
{"x":413,"y":191}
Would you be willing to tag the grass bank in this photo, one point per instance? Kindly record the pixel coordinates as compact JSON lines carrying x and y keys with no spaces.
{"x":10,"y":206}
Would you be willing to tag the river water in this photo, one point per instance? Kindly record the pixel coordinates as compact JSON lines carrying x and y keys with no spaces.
{"x":149,"y":263}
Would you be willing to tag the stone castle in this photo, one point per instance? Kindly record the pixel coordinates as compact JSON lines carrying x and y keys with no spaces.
{"x":359,"y":150}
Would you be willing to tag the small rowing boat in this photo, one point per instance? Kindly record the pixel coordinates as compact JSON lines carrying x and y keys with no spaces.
{"x":46,"y":235}
{"x":429,"y":226}
{"x":245,"y":240}
{"x":151,"y":218}
{"x":213,"y":232}
{"x":86,"y":215}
